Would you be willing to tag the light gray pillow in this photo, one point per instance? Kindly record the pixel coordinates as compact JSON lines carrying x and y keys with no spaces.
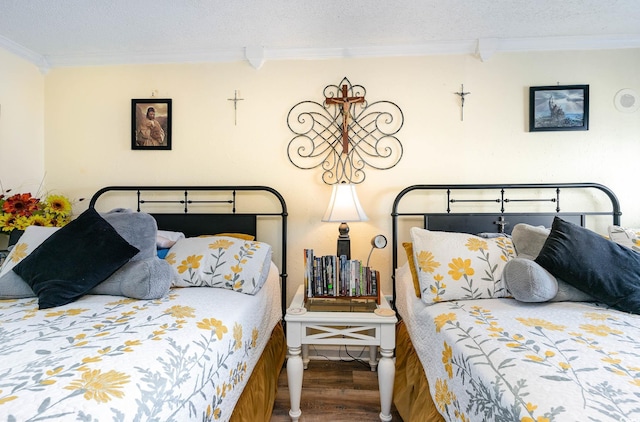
{"x":138,"y":228}
{"x":528,"y":240}
{"x":525,"y":276}
{"x":529,"y":282}
{"x":140,"y":279}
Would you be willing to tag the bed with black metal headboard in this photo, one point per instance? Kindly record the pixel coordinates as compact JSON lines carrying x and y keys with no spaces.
{"x":494,"y":210}
{"x":208,"y":210}
{"x":472,"y":346}
{"x":208,"y":347}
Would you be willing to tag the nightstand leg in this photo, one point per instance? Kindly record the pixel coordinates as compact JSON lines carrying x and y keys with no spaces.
{"x":386,"y":373}
{"x":373,"y":357}
{"x":294,"y":376}
{"x":305,"y":356}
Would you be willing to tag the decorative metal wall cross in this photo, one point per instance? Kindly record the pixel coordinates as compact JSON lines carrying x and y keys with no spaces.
{"x":343,"y":140}
{"x":462,"y":94}
{"x":235,"y":100}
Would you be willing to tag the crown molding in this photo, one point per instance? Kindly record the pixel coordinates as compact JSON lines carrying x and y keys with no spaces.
{"x":484,"y":48}
{"x":25,"y":53}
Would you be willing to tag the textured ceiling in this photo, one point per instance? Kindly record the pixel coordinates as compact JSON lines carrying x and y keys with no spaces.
{"x":84,"y":32}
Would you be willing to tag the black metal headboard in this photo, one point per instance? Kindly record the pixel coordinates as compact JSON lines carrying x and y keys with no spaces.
{"x":496,"y":208}
{"x":197,"y":210}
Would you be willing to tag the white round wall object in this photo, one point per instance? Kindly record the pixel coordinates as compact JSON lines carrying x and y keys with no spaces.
{"x":627,"y":100}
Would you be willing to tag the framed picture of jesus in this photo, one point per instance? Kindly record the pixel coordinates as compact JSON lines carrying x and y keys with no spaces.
{"x":562,"y":107}
{"x":151,"y":124}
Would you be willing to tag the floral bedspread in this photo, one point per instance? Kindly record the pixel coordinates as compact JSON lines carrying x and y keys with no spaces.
{"x":105,"y":358}
{"x":498,"y":359}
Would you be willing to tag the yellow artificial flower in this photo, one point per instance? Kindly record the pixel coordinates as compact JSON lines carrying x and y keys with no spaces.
{"x":57,"y":204}
{"x":21,"y":210}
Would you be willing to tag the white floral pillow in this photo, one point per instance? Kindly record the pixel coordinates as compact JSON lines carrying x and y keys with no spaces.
{"x":457,"y":266}
{"x":221,"y":261}
{"x":625,"y":237}
{"x":11,"y":284}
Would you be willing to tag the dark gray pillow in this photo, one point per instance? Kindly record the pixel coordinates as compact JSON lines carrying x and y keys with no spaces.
{"x":74,"y":259}
{"x":603,"y":269}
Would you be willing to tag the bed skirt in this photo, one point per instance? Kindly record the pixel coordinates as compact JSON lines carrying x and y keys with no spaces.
{"x":410,"y":388}
{"x":259,"y":395}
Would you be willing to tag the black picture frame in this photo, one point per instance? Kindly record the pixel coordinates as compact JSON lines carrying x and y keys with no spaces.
{"x":145,"y":135}
{"x":556,"y":108}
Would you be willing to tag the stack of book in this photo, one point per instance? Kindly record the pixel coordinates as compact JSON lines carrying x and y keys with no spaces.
{"x":332,"y":276}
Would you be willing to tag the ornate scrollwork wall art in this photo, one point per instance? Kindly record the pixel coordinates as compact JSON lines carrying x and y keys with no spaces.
{"x":345,"y":134}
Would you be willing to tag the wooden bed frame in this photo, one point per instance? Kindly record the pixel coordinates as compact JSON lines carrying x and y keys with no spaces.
{"x":488,"y":208}
{"x":197,"y":210}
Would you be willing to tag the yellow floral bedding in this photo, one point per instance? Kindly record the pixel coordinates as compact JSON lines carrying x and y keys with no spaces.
{"x":106,"y":358}
{"x":499,"y":359}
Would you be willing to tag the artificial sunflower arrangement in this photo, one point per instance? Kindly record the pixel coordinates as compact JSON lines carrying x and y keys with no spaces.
{"x":21,"y":210}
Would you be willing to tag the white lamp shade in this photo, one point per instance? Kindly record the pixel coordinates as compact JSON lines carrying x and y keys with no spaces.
{"x":344,"y":205}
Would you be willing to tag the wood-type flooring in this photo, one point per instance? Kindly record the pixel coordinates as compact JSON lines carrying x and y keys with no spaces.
{"x":333,"y":391}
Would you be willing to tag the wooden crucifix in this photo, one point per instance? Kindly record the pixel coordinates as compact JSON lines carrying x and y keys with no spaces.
{"x":346,"y":102}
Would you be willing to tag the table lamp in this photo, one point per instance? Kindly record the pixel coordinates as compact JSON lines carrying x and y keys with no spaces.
{"x":344,"y":207}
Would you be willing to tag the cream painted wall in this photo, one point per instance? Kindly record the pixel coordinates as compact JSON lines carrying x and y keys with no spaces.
{"x":87,"y":131}
{"x":21,"y":127}
{"x":21,"y":124}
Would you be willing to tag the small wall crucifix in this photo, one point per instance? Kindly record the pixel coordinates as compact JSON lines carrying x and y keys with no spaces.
{"x":462,"y":94}
{"x":235,"y":100}
{"x":346,"y":102}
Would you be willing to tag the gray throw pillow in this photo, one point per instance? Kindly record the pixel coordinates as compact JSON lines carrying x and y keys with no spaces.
{"x":141,"y":279}
{"x":528,"y":281}
{"x":528,"y":241}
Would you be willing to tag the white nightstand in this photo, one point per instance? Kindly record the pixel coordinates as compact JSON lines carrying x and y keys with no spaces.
{"x":374,"y":329}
